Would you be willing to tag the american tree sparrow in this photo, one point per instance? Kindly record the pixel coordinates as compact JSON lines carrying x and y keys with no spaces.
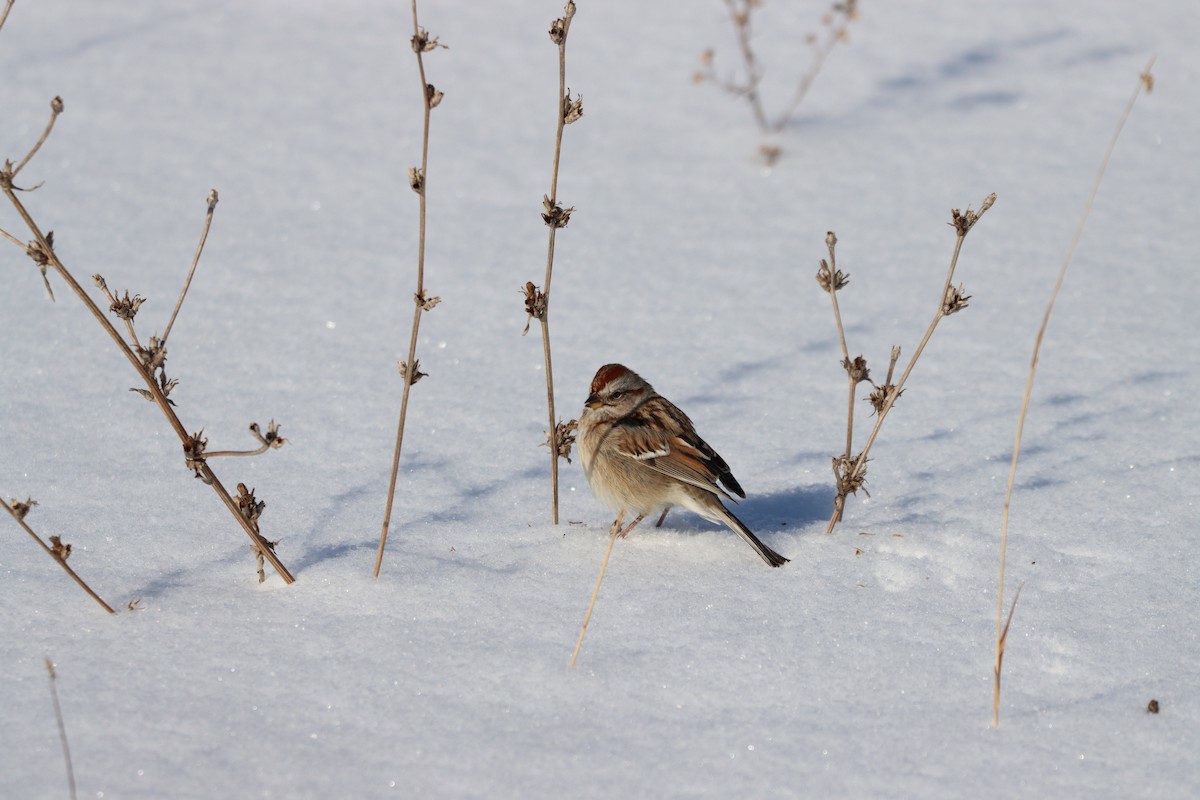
{"x":641,"y":454}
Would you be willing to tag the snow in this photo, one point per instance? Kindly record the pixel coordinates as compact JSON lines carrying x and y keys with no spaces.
{"x":862,"y":668}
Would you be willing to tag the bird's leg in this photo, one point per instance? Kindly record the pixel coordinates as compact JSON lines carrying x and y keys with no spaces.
{"x":663,"y":517}
{"x":631,"y":526}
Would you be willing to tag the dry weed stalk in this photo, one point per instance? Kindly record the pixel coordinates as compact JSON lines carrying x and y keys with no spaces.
{"x":1146,"y":82}
{"x":410,"y":368}
{"x":57,"y":550}
{"x":613,"y":533}
{"x":835,"y":24}
{"x":560,"y":436}
{"x":4,"y":14}
{"x":62,"y":728}
{"x":849,"y":470}
{"x":149,"y":360}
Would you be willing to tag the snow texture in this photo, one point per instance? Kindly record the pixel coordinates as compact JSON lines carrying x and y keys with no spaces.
{"x":861,"y":669}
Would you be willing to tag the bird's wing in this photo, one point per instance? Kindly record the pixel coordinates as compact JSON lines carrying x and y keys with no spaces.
{"x":684,"y":456}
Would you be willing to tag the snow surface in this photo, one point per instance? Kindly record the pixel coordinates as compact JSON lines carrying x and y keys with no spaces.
{"x":861,"y":669}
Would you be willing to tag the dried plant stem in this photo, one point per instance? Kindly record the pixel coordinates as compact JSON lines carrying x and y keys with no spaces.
{"x":62,"y":562}
{"x":1001,"y":640}
{"x":409,"y":369}
{"x":836,"y":35}
{"x":612,"y":538}
{"x":212,"y":205}
{"x":1145,"y":81}
{"x":156,"y":394}
{"x":12,"y":238}
{"x":56,"y":108}
{"x":4,"y":15}
{"x":741,"y":27}
{"x":62,"y":728}
{"x":553,"y":217}
{"x":851,"y":472}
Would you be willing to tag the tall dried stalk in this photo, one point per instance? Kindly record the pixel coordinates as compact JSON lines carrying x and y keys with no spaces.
{"x":62,"y":728}
{"x":56,"y":549}
{"x":850,"y":471}
{"x":835,"y":22}
{"x":559,"y":437}
{"x":613,"y":533}
{"x":1145,"y":81}
{"x":410,"y":369}
{"x":147,"y":361}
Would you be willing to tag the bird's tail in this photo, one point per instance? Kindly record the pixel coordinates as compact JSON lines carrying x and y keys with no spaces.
{"x":737,"y":526}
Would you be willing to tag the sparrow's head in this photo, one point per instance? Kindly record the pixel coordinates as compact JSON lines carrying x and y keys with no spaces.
{"x":616,"y":390}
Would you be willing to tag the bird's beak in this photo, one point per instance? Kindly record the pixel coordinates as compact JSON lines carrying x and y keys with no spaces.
{"x":592,"y":402}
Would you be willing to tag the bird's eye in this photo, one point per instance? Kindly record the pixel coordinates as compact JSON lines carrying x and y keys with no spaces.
{"x":615,"y":395}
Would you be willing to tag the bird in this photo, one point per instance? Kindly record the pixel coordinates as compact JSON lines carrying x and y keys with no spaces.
{"x":641,"y":454}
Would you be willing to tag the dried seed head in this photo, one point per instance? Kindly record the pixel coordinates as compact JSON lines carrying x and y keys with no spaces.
{"x":213,"y":197}
{"x":56,"y":106}
{"x":193,"y":453}
{"x":426,"y":303}
{"x":60,"y":550}
{"x":830,"y":279}
{"x":856,"y":369}
{"x":535,"y":304}
{"x":962,"y":222}
{"x":413,"y":375}
{"x":770,"y":153}
{"x":1152,"y":707}
{"x":848,"y":479}
{"x":271,"y":438}
{"x":1148,"y":82}
{"x":22,"y":509}
{"x":563,"y":439}
{"x":126,"y":307}
{"x":250,"y":508}
{"x":416,"y":179}
{"x":572,"y":108}
{"x":558,"y":28}
{"x":882,"y":394}
{"x":433,"y":96}
{"x":555,"y":215}
{"x":955,"y":300}
{"x":154,"y":355}
{"x":422,"y":42}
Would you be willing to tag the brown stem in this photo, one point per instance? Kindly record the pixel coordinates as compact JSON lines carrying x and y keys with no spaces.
{"x":545,"y":318}
{"x":741,"y":25}
{"x":259,"y":543}
{"x":1145,"y":81}
{"x":410,"y":375}
{"x":56,"y":108}
{"x":212,"y":205}
{"x":4,"y":15}
{"x":62,"y":562}
{"x":58,"y":716}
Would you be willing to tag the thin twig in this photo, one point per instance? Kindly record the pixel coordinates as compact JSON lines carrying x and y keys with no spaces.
{"x":212,"y":205}
{"x":56,"y":108}
{"x":155,"y":392}
{"x":555,"y":217}
{"x":836,"y":35}
{"x":949,"y":301}
{"x":612,"y":538}
{"x":62,"y":728}
{"x":1001,"y":640}
{"x":741,"y":26}
{"x":409,"y":369}
{"x":12,"y":238}
{"x":4,"y":16}
{"x":50,"y":551}
{"x":1145,"y":81}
